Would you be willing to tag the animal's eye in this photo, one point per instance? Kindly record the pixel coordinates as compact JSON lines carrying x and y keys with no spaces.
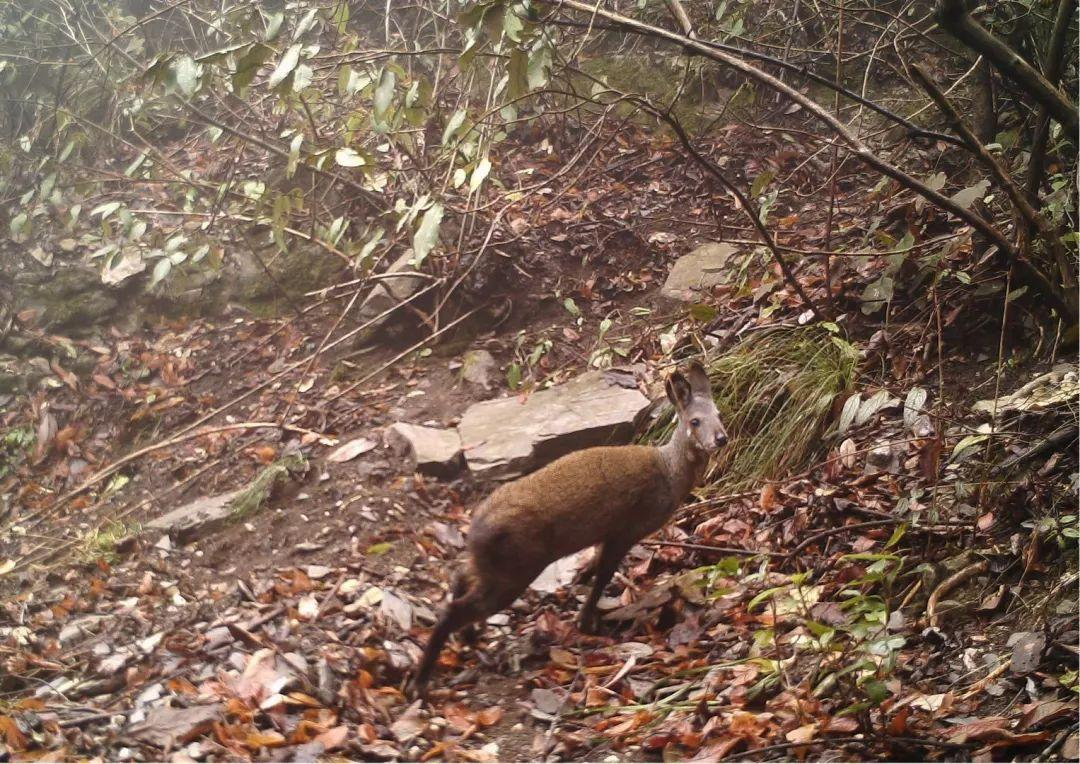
{"x":695,"y":422}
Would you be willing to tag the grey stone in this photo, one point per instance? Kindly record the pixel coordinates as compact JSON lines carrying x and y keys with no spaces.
{"x":477,"y":368}
{"x":430,"y":450}
{"x":1027,"y":649}
{"x":79,"y":629}
{"x":391,"y":290}
{"x":505,"y":438}
{"x":697,"y":272}
{"x":197,"y":518}
{"x":883,"y":458}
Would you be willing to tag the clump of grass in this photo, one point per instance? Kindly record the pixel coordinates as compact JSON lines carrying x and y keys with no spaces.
{"x":775,"y":392}
{"x":250,"y":500}
{"x":100,"y":543}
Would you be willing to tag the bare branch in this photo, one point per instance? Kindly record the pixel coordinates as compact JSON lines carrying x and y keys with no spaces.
{"x":997,"y":172}
{"x":1026,"y":271}
{"x":954,"y":17}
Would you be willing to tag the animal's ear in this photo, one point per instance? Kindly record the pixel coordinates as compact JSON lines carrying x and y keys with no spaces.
{"x":699,"y":380}
{"x":678,"y":390}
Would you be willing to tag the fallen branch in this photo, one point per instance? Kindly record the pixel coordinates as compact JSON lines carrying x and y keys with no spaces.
{"x":1059,"y":438}
{"x":1053,"y":63}
{"x":954,"y":17}
{"x":1026,"y":272}
{"x":709,"y":548}
{"x":833,"y":531}
{"x":948,"y":585}
{"x":834,"y":741}
{"x":913,"y":130}
{"x":983,"y":683}
{"x":111,"y":469}
{"x":189,"y":431}
{"x":997,"y":172}
{"x":745,"y":204}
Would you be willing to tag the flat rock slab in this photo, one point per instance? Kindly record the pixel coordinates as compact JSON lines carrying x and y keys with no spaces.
{"x":1027,"y":650}
{"x":430,"y":450}
{"x":506,"y":438}
{"x":697,"y":272}
{"x":198,"y":518}
{"x":391,"y":289}
{"x":478,"y":367}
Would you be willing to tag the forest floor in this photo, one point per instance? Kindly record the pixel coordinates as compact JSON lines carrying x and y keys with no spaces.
{"x":289,"y":633}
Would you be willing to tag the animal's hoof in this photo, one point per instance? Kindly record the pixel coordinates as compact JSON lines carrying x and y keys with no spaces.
{"x":417,"y":688}
{"x":589,"y":624}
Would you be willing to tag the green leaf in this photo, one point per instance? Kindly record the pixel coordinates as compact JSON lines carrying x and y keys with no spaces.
{"x":354,"y":82}
{"x":305,"y":24}
{"x":571,"y":307}
{"x":760,"y":182}
{"x":457,"y":119}
{"x":847,"y":415}
{"x":369,"y":245}
{"x":106,"y":210}
{"x":340,"y":17}
{"x":765,"y":595}
{"x":513,"y":375}
{"x":384,"y":93}
{"x":878,"y":294}
{"x":302,"y":77}
{"x":129,"y":171}
{"x":965,"y":443}
{"x":285,"y":66}
{"x":187,"y":74}
{"x":876,"y":691}
{"x":248,"y":65}
{"x":427,"y":234}
{"x":378,"y":550}
{"x":19,"y":227}
{"x":519,"y":73}
{"x":871,"y":406}
{"x":702,"y":312}
{"x":897,"y":534}
{"x":221,"y":55}
{"x":348,"y":157}
{"x":540,"y":65}
{"x":478,"y":175}
{"x":273,"y":25}
{"x":968,"y":196}
{"x":512,"y":25}
{"x":161,"y":270}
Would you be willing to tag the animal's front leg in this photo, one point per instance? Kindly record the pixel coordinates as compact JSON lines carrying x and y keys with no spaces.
{"x":607,"y":563}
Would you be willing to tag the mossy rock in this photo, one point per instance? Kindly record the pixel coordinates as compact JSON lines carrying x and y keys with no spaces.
{"x":707,"y":88}
{"x":272,"y":276}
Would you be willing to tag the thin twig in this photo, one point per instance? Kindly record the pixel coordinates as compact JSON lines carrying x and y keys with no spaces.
{"x":948,"y":585}
{"x":709,"y":548}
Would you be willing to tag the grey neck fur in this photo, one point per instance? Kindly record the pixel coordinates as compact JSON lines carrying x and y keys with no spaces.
{"x":683,"y":462}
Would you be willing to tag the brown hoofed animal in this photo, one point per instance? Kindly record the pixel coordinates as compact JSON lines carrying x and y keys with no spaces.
{"x":612,"y":496}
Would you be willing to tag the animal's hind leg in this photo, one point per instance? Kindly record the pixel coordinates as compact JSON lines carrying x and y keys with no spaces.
{"x":611,"y":555}
{"x":459,"y":613}
{"x":480,"y":601}
{"x":470,"y":632}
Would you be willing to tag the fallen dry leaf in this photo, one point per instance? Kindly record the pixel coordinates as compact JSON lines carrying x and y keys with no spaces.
{"x":803,"y":734}
{"x":351,"y":450}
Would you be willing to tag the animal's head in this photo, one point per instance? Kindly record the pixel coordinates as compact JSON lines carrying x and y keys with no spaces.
{"x":691,"y":393}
